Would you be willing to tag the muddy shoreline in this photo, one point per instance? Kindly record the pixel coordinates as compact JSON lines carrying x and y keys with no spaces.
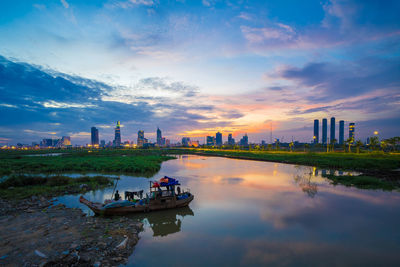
{"x":35,"y":232}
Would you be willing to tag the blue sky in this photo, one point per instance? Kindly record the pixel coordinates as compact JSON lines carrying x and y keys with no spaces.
{"x":197,"y":67}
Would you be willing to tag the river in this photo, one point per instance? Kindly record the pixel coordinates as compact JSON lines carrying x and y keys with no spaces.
{"x":262,"y":213}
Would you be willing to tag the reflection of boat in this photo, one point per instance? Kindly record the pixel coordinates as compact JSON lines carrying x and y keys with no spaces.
{"x":161,"y":196}
{"x":165,"y":222}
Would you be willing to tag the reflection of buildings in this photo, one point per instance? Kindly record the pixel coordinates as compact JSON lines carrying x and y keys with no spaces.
{"x":305,"y":183}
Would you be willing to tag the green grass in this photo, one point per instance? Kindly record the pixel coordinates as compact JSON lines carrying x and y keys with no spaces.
{"x":145,"y":163}
{"x":23,"y":186}
{"x":363,"y":182}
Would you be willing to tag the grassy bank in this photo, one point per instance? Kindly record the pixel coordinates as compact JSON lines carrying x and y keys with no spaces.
{"x":371,"y":163}
{"x":23,"y":186}
{"x":363,"y":182}
{"x":144,"y":163}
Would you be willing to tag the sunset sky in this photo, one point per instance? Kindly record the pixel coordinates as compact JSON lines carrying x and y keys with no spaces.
{"x":193,"y":68}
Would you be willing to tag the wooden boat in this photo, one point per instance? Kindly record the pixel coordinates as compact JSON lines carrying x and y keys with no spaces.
{"x":162,"y":196}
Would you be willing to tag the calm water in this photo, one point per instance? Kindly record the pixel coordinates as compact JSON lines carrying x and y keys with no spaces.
{"x":261,"y":213}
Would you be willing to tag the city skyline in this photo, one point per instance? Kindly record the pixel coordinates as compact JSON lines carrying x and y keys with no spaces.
{"x":196,"y":68}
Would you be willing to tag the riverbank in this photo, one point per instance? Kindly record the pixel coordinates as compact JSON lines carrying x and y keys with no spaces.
{"x":34,"y":232}
{"x":132,"y":162}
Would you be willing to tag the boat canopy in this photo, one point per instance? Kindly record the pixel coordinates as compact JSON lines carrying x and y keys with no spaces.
{"x":166,"y":181}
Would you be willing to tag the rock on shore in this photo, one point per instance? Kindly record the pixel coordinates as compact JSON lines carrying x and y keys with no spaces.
{"x":33,"y":232}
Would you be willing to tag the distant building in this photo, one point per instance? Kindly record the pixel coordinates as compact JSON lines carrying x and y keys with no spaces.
{"x":231,"y":140}
{"x":316,"y":132}
{"x":324,"y":131}
{"x":159,"y":137}
{"x":218,"y":139}
{"x":332,"y":136}
{"x":94,"y":136}
{"x":117,"y":139}
{"x":66,"y":141}
{"x":102,"y":143}
{"x":185,"y":141}
{"x":341,"y":132}
{"x":352,"y":128}
{"x":167,"y":142}
{"x":244,"y":141}
{"x":140,"y":138}
{"x":210,"y":141}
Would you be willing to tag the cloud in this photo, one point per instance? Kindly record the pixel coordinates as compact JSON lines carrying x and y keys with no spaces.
{"x":64,"y":3}
{"x":331,"y":81}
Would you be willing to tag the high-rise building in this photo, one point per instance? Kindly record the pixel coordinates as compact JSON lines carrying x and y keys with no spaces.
{"x":218,"y":139}
{"x":244,"y":141}
{"x":332,"y":136}
{"x":140,"y":138}
{"x":231,"y":140}
{"x":210,"y":141}
{"x":95,"y":136}
{"x":159,"y":137}
{"x":185,"y":141}
{"x":102,"y":143}
{"x":316,"y":132}
{"x":324,"y":131}
{"x":352,"y":128}
{"x":117,"y":139}
{"x":66,"y":141}
{"x":341,"y":132}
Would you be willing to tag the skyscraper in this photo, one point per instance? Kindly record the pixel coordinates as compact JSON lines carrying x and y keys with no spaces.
{"x":231,"y":140}
{"x":140,"y":138}
{"x":324,"y":131}
{"x":352,"y":128}
{"x":244,"y":141}
{"x":185,"y":141}
{"x":159,"y":137}
{"x":210,"y":141}
{"x":218,"y":139}
{"x":341,"y":132}
{"x":117,"y":139}
{"x":95,"y":136}
{"x":316,"y":132}
{"x":332,"y":129}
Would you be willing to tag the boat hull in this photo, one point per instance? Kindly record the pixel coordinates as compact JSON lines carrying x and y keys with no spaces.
{"x":161,"y":204}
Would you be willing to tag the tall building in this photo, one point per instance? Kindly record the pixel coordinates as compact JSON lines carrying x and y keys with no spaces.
{"x":341,"y":132}
{"x":210,"y":141}
{"x":332,"y":136}
{"x":185,"y":141}
{"x":95,"y":136}
{"x":66,"y":140}
{"x":231,"y":140}
{"x":117,"y":139}
{"x":316,"y":132}
{"x":244,"y":141}
{"x":352,"y":128}
{"x":324,"y":131}
{"x":159,"y":137}
{"x":140,"y":138}
{"x":218,"y":139}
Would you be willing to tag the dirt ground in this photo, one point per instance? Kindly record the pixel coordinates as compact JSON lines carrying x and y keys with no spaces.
{"x":33,"y":232}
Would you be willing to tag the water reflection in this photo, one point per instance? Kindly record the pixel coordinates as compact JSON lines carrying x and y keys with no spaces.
{"x":261,"y":213}
{"x":164,"y":222}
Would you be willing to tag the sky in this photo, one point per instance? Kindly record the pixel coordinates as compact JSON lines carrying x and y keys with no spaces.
{"x":193,"y":68}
